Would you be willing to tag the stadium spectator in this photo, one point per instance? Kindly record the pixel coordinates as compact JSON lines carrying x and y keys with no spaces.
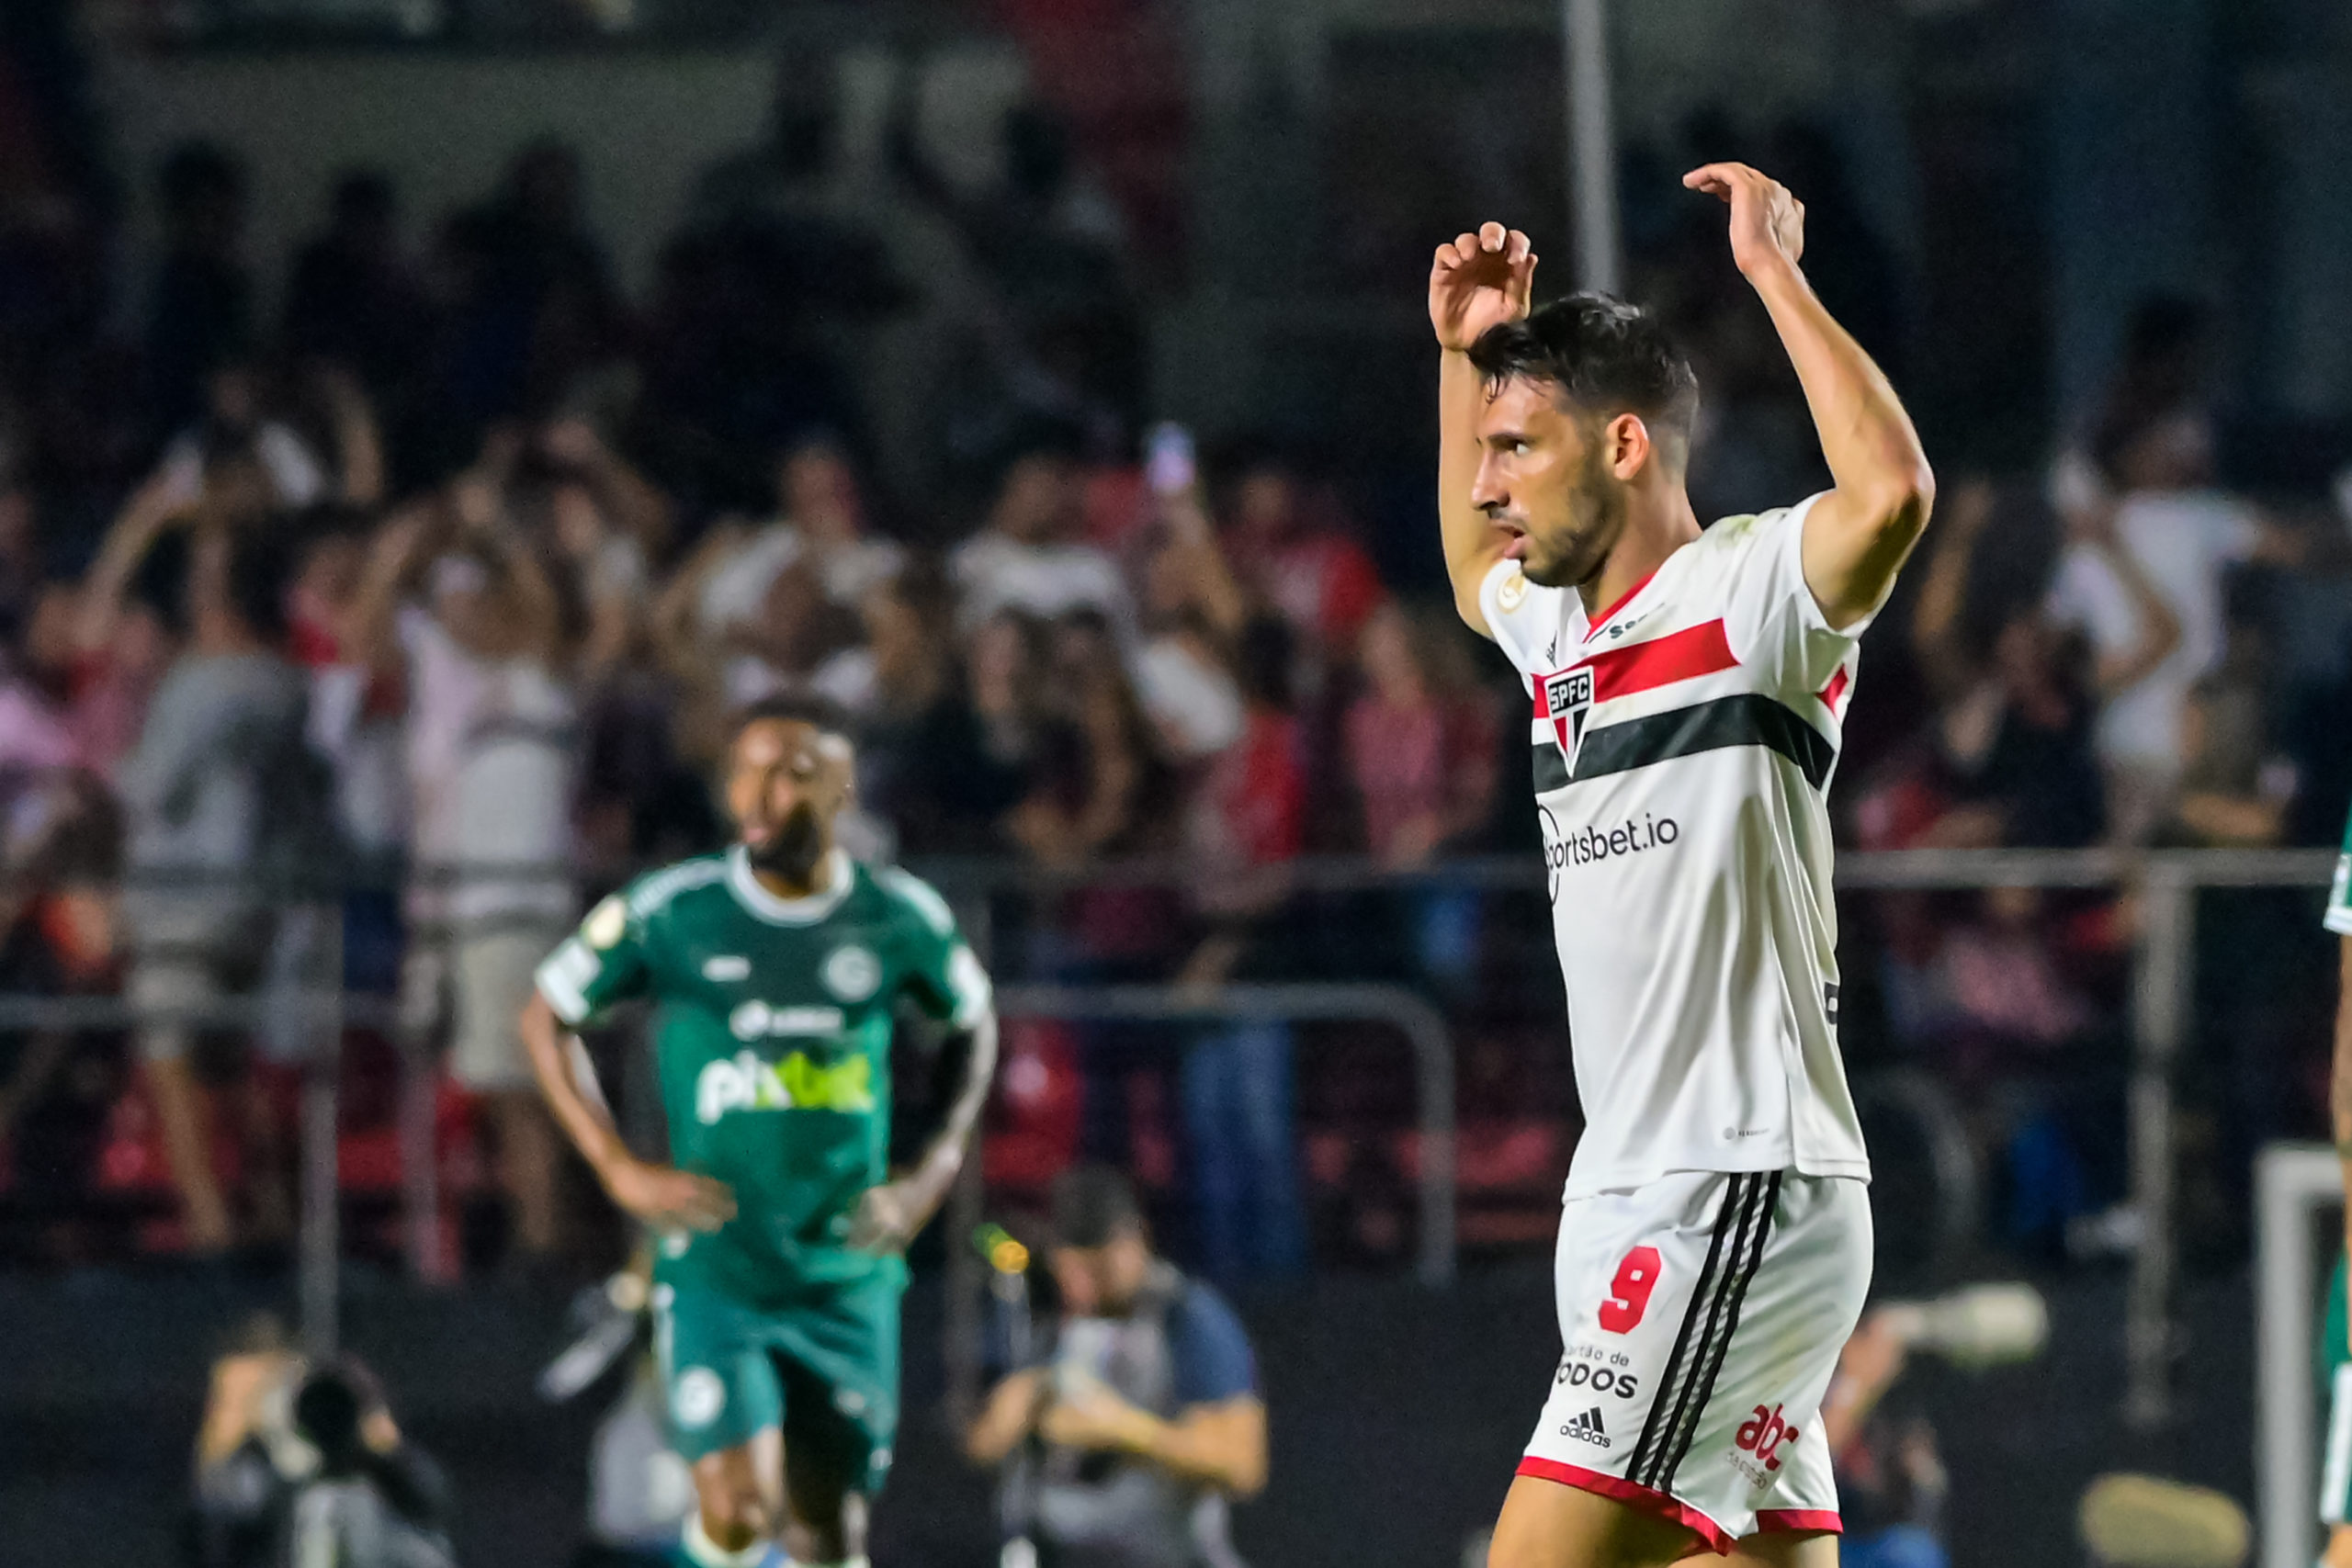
{"x":1421,"y":743}
{"x":924,"y":756}
{"x":820,"y":518}
{"x":1420,"y":739}
{"x":2237,"y":786}
{"x":2148,"y":479}
{"x":1247,"y":821}
{"x":1026,"y":558}
{"x":1891,"y":1479}
{"x":2013,"y":734}
{"x":200,"y":309}
{"x":1140,"y":1420}
{"x":1057,"y":331}
{"x":1193,"y":612}
{"x":1293,"y":550}
{"x":222,"y":803}
{"x":353,"y":297}
{"x":491,"y":750}
{"x":299,"y":1465}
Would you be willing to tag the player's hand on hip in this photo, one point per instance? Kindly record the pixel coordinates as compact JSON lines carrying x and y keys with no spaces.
{"x":888,"y":1216}
{"x":1479,"y":281}
{"x":664,"y":1195}
{"x":1766,"y":222}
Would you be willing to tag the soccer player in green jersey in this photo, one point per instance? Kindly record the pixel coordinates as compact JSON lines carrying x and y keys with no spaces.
{"x":775,"y":966}
{"x":2335,"y":1343}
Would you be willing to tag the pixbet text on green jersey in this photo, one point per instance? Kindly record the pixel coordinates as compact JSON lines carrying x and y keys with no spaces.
{"x":772,"y":1044}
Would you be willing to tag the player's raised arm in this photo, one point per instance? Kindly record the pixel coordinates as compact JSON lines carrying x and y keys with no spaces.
{"x":1477,"y":281}
{"x":1857,"y":537}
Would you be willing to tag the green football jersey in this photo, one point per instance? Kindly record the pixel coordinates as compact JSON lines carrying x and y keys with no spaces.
{"x":772,"y":1044}
{"x":2339,"y":892}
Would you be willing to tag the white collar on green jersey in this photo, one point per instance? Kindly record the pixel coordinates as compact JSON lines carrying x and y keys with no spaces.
{"x":789,"y":911}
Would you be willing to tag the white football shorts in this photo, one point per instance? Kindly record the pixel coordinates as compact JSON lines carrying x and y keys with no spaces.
{"x":1703,"y":1314}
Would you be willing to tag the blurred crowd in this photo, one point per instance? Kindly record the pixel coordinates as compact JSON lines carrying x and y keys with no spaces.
{"x":445,"y":580}
{"x":440,"y":574}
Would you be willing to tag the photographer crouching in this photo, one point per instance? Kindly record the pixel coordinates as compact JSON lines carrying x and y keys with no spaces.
{"x":298,"y":1465}
{"x":1140,"y":1420}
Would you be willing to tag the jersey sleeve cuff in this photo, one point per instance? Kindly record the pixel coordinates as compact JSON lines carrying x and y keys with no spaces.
{"x":2337,"y":919}
{"x":975,"y":995}
{"x":1502,"y":619}
{"x":563,"y":999}
{"x":1816,"y":621}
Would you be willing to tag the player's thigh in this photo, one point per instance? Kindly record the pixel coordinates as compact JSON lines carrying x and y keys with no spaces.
{"x":719,"y":1388}
{"x":1547,"y":1525}
{"x":833,"y":1459}
{"x":742,"y":1485}
{"x":1778,"y":1550}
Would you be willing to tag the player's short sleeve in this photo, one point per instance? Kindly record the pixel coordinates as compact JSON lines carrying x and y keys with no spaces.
{"x":1772,"y":620}
{"x":2338,"y":918}
{"x":602,"y":964}
{"x":1524,"y":616}
{"x":1209,"y":1350}
{"x":943,"y":974}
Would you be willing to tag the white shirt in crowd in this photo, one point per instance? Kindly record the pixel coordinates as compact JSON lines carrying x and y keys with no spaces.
{"x":296,"y":476}
{"x":738,"y":586}
{"x":1191,"y":699}
{"x":2183,"y":540}
{"x":993,"y":574}
{"x":492,"y":750}
{"x":1684,"y":746}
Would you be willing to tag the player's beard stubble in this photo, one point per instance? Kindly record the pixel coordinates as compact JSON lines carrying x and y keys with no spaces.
{"x":794,"y":850}
{"x":1573,"y":553}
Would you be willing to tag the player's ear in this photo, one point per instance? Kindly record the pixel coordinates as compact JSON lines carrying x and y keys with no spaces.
{"x":1626,"y":440}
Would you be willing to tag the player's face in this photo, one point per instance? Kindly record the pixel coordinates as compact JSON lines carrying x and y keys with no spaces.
{"x":1542,"y":479}
{"x":786,"y":783}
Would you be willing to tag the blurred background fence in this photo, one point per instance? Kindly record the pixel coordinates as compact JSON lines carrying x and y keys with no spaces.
{"x":1392,"y":1095}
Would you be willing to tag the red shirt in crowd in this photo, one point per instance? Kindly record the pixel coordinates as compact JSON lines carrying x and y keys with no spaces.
{"x":1428,"y":762}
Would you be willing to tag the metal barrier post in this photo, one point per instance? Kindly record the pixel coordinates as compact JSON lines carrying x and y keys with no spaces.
{"x":2163,"y":985}
{"x":967,"y":1204}
{"x":322,"y":1016}
{"x":2286,"y":1177}
{"x":419,"y":1157}
{"x":1421,"y":1025}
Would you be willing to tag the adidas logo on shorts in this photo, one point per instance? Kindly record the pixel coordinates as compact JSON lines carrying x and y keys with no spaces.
{"x":1587,"y":1428}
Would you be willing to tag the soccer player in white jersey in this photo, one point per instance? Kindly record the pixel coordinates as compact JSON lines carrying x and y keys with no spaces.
{"x":1687,"y":686}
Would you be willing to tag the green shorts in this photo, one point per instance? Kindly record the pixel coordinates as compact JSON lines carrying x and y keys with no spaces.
{"x":826,"y":1371}
{"x":2334,"y":1361}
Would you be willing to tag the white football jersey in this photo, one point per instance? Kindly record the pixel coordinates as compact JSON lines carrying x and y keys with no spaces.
{"x":1684,"y":741}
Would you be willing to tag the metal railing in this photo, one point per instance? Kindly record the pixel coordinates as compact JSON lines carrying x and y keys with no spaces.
{"x":2167,"y":885}
{"x":1421,"y":1025}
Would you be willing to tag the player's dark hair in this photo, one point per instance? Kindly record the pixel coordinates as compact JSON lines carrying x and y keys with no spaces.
{"x":1092,"y":1204}
{"x":814,"y":711}
{"x":1602,"y":354}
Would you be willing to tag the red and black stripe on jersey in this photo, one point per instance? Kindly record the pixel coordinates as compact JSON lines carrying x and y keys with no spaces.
{"x":1742,"y":718}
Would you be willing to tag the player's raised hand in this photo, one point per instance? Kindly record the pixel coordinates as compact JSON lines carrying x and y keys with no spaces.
{"x":1766,"y":222}
{"x":664,"y":1195}
{"x":1478,"y":281}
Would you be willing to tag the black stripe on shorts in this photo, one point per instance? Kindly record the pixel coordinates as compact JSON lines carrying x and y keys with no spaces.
{"x":1747,"y":1253}
{"x":1700,"y":1294}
